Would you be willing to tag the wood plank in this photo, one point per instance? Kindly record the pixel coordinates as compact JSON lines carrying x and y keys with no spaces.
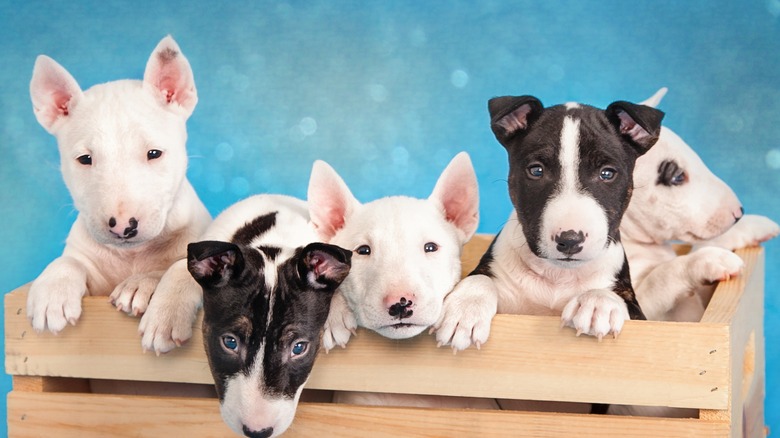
{"x":72,"y":415}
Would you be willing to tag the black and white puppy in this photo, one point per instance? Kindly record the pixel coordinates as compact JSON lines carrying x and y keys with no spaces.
{"x":570,"y":180}
{"x":266,"y":296}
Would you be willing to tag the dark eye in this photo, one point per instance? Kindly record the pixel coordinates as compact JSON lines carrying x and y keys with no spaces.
{"x":363,"y":250}
{"x":431,"y":247}
{"x":85,"y":160}
{"x":230,"y":343}
{"x":607,"y":174}
{"x":299,"y":348}
{"x":153,"y":154}
{"x":535,"y":171}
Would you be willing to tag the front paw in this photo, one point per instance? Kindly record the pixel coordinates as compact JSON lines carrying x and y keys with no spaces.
{"x":596,"y":313}
{"x":467,"y":313}
{"x":341,"y":324}
{"x":711,"y":264}
{"x":132,"y":295}
{"x":54,"y":302}
{"x":758,"y":229}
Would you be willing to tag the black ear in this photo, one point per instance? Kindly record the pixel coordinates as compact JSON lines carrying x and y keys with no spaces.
{"x":639,"y":124}
{"x":213,"y":263}
{"x":510,"y":115}
{"x":324,"y":266}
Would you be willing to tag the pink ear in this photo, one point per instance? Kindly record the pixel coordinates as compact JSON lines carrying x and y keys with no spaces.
{"x":169,"y":75}
{"x":53,"y":91}
{"x":330,"y":201}
{"x":458,"y":193}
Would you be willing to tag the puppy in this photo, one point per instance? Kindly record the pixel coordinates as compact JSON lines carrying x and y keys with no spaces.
{"x":122,"y":147}
{"x":678,"y":199}
{"x":266,"y":293}
{"x":406,"y":251}
{"x":570,"y":170}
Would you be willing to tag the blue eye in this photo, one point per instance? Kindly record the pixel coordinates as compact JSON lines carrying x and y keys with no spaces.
{"x":535,"y":171}
{"x":363,"y":250}
{"x":679,"y":179}
{"x":607,"y":174}
{"x":230,"y":342}
{"x":299,"y":348}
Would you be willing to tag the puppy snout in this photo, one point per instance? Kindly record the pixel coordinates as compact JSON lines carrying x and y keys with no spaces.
{"x":264,"y":433}
{"x":738,"y":215}
{"x":402,"y":308}
{"x":126,"y":230}
{"x":569,"y":242}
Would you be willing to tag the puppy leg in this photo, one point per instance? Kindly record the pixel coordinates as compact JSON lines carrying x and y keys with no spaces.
{"x":55,"y":296}
{"x":751,"y":230}
{"x":132,"y":295}
{"x":467,"y":313}
{"x":171,"y":314}
{"x":341,"y":323}
{"x":597,"y":312}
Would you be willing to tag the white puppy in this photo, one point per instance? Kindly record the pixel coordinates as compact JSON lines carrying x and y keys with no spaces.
{"x":122,"y":147}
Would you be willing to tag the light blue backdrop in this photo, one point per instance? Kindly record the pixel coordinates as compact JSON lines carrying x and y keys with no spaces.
{"x":389,"y":92}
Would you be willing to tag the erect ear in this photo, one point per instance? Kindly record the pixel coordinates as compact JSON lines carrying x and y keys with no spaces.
{"x":458,"y":194}
{"x":53,"y":91}
{"x":511,"y":115}
{"x":639,"y":124}
{"x":655,"y":99}
{"x":169,"y":77}
{"x":324,"y":266}
{"x":213,"y":263}
{"x":330,"y":201}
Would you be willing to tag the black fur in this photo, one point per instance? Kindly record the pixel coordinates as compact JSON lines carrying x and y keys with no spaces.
{"x":254,"y":229}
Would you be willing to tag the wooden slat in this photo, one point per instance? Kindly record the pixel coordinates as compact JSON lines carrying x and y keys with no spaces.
{"x":86,"y":416}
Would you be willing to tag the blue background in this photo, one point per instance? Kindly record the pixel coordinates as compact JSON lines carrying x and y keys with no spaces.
{"x":389,"y":92}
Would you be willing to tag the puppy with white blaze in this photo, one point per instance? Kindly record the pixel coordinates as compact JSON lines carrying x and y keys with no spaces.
{"x":123,"y":159}
{"x":267,"y":286}
{"x":406,"y":250}
{"x":559,"y":253}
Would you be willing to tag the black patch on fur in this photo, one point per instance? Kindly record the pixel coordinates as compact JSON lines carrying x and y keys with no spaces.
{"x":623,"y":288}
{"x":270,"y":251}
{"x":254,"y":229}
{"x":483,"y":267}
{"x":668,"y":170}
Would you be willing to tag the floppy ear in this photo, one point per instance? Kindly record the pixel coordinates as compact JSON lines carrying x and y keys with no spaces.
{"x":324,"y":266}
{"x":511,"y":115}
{"x":53,"y":91}
{"x":639,"y":124}
{"x":169,"y":77}
{"x":213,"y":264}
{"x":458,"y":194}
{"x":655,"y":99}
{"x":330,"y":201}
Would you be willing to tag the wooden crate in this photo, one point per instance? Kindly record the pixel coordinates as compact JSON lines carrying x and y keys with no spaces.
{"x":715,"y":366}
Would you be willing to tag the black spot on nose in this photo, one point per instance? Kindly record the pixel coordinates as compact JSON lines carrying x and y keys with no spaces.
{"x":112,"y":222}
{"x":570,"y":242}
{"x":265,"y":433}
{"x":401,"y":309}
{"x":132,"y":230}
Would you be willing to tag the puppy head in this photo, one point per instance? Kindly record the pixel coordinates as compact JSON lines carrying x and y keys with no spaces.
{"x":122,"y":144}
{"x":570,"y":170}
{"x":263,"y":318}
{"x":406,"y":250}
{"x":676,"y":197}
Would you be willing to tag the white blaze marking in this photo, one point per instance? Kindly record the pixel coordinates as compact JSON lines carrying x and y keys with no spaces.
{"x":570,"y":156}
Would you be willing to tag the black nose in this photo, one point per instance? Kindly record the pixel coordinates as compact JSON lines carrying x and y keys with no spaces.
{"x":265,"y":433}
{"x":401,"y":309}
{"x":570,"y":242}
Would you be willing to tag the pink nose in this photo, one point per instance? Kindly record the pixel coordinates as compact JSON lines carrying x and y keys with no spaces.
{"x":400,"y":305}
{"x":123,"y":229}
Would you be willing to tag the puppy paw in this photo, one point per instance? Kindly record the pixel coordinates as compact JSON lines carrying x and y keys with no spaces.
{"x":711,"y":264}
{"x":597,"y":312}
{"x":751,"y":230}
{"x":54,"y":302}
{"x":467,"y":313}
{"x":341,"y":324}
{"x":132,"y":295}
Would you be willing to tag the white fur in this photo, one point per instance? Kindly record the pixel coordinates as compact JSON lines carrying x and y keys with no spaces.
{"x":396,"y":229}
{"x":702,"y":212}
{"x":116,"y":124}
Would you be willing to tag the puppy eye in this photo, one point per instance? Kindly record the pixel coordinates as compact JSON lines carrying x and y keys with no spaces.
{"x":85,"y":160}
{"x":431,"y":247}
{"x":679,"y":179}
{"x":299,"y":349}
{"x":363,"y":250}
{"x":535,"y":171}
{"x":607,"y":174}
{"x":153,"y":154}
{"x":230,"y":343}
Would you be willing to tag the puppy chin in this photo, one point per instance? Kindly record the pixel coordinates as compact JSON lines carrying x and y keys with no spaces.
{"x":400,"y":331}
